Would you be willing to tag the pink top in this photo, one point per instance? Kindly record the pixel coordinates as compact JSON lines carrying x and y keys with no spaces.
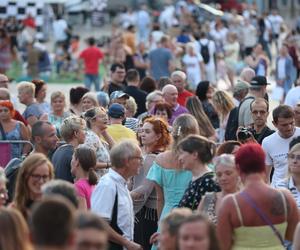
{"x":84,"y":189}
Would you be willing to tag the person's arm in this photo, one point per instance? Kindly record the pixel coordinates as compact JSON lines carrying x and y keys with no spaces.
{"x":108,"y":138}
{"x":25,"y":137}
{"x":160,"y":199}
{"x":293,"y":216}
{"x":82,"y":203}
{"x":119,"y":239}
{"x":139,"y":64}
{"x":296,"y":242}
{"x":269,"y":161}
{"x":202,"y":68}
{"x":102,"y":165}
{"x":141,"y":194}
{"x":224,"y":226}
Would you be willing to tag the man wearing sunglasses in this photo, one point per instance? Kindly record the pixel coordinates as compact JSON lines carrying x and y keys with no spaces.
{"x":259,"y":111}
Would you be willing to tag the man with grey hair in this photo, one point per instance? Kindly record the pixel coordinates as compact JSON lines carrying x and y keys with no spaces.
{"x":33,"y":112}
{"x":170,"y":94}
{"x":240,"y":90}
{"x":257,"y":89}
{"x":111,"y":198}
{"x":60,"y":188}
{"x":178,"y":79}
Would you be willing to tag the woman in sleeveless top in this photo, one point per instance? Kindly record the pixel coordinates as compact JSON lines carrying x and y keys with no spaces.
{"x":13,"y":130}
{"x":258,"y":217}
{"x":228,"y":180}
{"x":155,"y":138}
{"x":169,"y":180}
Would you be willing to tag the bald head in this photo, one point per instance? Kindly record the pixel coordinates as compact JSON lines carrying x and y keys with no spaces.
{"x":247,"y":74}
{"x":3,"y":81}
{"x":170,"y":94}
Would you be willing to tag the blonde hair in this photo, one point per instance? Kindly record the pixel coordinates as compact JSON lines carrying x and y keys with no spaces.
{"x":57,"y":94}
{"x":14,"y":230}
{"x":120,"y":152}
{"x":295,"y":148}
{"x":92,"y":97}
{"x":222,"y":102}
{"x":131,"y":105}
{"x":195,"y":107}
{"x":70,"y":125}
{"x":151,"y":96}
{"x":183,"y":126}
{"x":22,"y":192}
{"x":27,"y":87}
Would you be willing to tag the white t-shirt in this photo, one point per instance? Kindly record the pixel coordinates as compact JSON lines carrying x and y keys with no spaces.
{"x":235,"y":49}
{"x":281,"y":68}
{"x":193,"y":69}
{"x":276,"y":22}
{"x":103,"y":198}
{"x":293,"y":97}
{"x":59,"y":27}
{"x":276,"y":149}
{"x":249,"y":35}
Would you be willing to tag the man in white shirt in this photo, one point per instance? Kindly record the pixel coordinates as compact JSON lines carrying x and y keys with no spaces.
{"x":276,"y":146}
{"x":210,"y":66}
{"x":249,"y":37}
{"x":276,"y":21}
{"x":111,"y":198}
{"x":60,"y":29}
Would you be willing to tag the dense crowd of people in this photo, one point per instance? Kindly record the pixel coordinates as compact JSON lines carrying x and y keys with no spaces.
{"x":173,"y":151}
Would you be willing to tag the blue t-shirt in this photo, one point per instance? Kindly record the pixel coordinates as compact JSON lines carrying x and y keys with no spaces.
{"x":159,"y":60}
{"x":33,"y":109}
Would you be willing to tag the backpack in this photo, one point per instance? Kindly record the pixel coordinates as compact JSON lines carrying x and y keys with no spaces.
{"x":205,"y":52}
{"x":233,"y":122}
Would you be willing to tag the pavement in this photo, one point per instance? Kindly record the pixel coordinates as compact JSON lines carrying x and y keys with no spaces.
{"x":87,"y":31}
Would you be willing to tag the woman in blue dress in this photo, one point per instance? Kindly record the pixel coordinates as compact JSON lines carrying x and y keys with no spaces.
{"x":166,"y":173}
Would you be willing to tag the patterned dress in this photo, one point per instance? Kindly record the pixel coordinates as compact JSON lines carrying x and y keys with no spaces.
{"x":196,"y":189}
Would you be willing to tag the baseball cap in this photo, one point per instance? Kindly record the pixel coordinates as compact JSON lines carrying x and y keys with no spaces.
{"x":240,"y":85}
{"x":118,"y":94}
{"x":258,"y":81}
{"x":116,"y":110}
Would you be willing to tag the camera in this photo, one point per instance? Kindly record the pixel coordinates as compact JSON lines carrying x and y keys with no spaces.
{"x":244,"y":133}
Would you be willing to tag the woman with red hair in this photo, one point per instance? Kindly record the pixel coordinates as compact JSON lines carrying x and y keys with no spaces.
{"x":155,"y":138}
{"x":259,"y":216}
{"x":12,"y":129}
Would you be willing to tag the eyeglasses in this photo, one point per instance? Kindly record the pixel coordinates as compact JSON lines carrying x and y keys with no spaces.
{"x":38,"y":177}
{"x":262,"y":112}
{"x":294,"y":157}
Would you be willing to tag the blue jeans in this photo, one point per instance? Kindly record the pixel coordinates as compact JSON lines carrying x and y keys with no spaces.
{"x":89,"y":79}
